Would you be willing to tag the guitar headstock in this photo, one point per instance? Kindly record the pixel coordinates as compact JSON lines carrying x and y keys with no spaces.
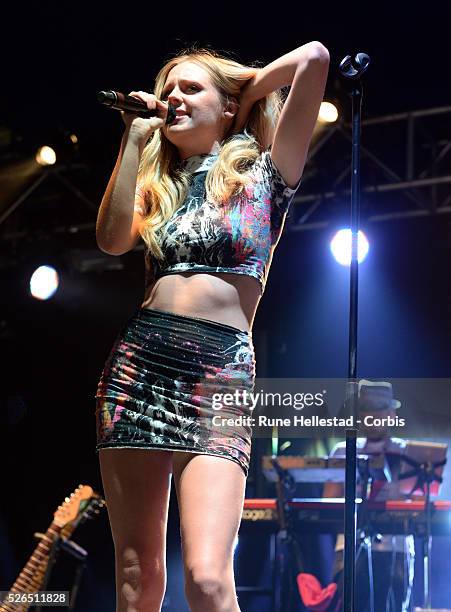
{"x":83,"y":503}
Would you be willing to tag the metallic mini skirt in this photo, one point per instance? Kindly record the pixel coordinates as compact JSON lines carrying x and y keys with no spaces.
{"x":175,"y":382}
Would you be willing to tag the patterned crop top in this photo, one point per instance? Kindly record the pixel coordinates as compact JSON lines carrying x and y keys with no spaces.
{"x":240,"y":238}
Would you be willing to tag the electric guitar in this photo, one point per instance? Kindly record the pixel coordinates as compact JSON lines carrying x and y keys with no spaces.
{"x":83,"y":503}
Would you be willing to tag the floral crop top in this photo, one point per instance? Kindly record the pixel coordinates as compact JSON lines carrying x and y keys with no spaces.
{"x":240,"y":238}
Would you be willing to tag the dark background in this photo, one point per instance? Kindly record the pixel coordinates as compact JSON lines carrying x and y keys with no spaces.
{"x":55,"y":58}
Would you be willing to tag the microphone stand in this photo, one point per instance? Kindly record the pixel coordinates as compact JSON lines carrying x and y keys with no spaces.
{"x":76,"y":551}
{"x":425,"y":473}
{"x":365,"y":532}
{"x":285,"y":487}
{"x":352,"y":69}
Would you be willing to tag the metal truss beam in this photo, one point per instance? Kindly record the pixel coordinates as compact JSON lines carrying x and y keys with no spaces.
{"x":424,"y":153}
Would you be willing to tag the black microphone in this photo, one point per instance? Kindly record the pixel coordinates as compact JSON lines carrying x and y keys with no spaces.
{"x":120,"y":101}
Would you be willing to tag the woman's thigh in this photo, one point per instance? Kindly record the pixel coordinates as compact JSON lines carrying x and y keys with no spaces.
{"x":137,"y":484}
{"x":210,"y":492}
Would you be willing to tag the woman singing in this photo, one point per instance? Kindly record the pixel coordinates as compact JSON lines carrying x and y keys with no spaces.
{"x":208,"y":194}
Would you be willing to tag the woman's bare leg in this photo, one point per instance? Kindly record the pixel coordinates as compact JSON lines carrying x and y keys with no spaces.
{"x":137,"y":483}
{"x":210,"y":492}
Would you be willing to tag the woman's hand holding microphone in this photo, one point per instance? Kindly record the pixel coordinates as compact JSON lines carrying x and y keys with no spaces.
{"x":141,"y":128}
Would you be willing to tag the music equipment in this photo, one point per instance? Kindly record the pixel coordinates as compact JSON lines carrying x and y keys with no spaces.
{"x":120,"y":101}
{"x":314,"y":469}
{"x":81,"y":505}
{"x":326,"y":515}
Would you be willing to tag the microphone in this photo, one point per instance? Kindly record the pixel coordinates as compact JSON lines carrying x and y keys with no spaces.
{"x":120,"y":101}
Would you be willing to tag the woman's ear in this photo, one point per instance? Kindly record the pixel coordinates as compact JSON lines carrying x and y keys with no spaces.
{"x":231,"y":108}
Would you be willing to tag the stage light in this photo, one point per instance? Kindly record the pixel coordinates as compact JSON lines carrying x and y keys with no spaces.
{"x":44,"y":282}
{"x":73,"y":138}
{"x":46,"y":156}
{"x":328,"y":112}
{"x":341,"y":247}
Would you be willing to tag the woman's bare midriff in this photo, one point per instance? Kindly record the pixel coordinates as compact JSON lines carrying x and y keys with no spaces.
{"x":227,"y":298}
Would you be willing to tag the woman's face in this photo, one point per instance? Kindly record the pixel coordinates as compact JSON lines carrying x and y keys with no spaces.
{"x":200,"y":120}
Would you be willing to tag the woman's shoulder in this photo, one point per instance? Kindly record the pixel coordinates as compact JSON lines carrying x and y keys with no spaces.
{"x":265,"y":171}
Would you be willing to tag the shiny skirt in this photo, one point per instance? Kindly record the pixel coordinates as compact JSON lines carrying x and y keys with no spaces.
{"x":179,"y":383}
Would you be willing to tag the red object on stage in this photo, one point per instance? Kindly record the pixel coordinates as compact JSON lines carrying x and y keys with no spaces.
{"x":316,"y":598}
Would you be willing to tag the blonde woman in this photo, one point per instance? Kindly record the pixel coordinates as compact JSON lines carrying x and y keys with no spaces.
{"x":208,"y":195}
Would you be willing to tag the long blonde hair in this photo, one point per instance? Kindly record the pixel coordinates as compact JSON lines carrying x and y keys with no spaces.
{"x":164,"y":183}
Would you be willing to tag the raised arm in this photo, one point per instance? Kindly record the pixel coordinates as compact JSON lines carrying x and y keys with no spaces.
{"x":305,"y":69}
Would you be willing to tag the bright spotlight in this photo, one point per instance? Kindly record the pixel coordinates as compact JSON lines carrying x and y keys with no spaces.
{"x":45,"y":156}
{"x":44,"y":282}
{"x":328,"y":112}
{"x":341,"y":247}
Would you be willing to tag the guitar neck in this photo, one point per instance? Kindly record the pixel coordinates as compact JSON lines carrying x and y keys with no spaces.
{"x":31,"y":578}
{"x":82,"y":504}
